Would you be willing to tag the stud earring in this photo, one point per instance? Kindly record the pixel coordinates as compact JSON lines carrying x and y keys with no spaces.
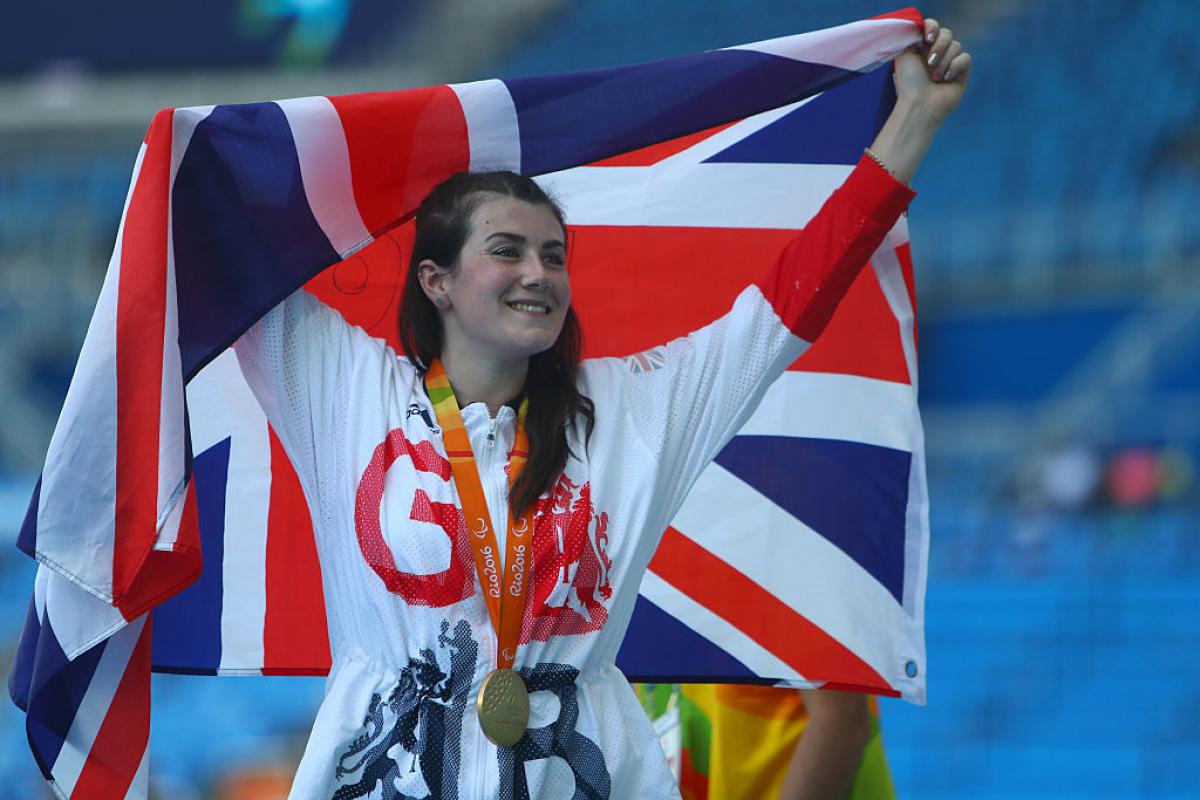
{"x":440,"y":302}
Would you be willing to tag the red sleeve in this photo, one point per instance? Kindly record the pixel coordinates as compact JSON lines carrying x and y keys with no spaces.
{"x":815,"y":270}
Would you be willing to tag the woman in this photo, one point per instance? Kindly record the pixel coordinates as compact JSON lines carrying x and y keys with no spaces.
{"x":432,"y":692}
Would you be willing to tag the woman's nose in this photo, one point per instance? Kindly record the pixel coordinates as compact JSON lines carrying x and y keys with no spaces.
{"x":534,"y":273}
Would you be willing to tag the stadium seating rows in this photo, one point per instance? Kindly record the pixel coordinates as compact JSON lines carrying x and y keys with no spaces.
{"x":1062,"y":688}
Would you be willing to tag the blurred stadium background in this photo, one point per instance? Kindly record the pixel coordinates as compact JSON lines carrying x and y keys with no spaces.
{"x":1058,"y":250}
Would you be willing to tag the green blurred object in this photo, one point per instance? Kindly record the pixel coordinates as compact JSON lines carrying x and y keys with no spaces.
{"x":315,"y":26}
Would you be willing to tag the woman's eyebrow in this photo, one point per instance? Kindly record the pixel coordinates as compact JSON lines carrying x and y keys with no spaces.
{"x":516,"y":237}
{"x":519,"y":239}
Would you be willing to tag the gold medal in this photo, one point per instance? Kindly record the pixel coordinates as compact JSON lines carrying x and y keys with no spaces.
{"x":503,"y":706}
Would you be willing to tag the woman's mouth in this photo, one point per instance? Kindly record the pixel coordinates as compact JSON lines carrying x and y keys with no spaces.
{"x":529,"y":307}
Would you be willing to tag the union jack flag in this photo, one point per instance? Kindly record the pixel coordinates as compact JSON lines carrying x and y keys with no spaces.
{"x":647,"y":361}
{"x":164,"y":489}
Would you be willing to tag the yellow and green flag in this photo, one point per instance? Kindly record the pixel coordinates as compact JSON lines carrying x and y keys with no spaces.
{"x":736,"y":741}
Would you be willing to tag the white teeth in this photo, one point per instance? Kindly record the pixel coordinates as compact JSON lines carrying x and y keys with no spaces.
{"x":532,"y":308}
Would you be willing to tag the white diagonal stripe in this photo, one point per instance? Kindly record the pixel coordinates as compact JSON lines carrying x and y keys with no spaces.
{"x":325,"y":170}
{"x":221,"y":386}
{"x":916,"y":545}
{"x":95,"y":706}
{"x":139,"y":788}
{"x":822,"y":405}
{"x":784,"y":196}
{"x":803,"y":569}
{"x":859,"y":46}
{"x":80,"y":619}
{"x":171,"y":432}
{"x":79,"y":478}
{"x":732,"y":640}
{"x":492,"y":127}
{"x":712,"y":195}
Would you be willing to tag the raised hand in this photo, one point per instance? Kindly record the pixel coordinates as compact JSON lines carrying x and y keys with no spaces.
{"x":930,"y":80}
{"x":932,"y":77}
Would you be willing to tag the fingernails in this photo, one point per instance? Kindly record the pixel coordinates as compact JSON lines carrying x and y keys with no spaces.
{"x":933,"y":58}
{"x":937,"y":74}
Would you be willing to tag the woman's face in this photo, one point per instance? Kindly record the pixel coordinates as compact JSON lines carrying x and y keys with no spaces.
{"x":508,"y":296}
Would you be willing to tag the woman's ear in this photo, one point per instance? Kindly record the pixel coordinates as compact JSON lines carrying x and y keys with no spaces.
{"x":433,"y":282}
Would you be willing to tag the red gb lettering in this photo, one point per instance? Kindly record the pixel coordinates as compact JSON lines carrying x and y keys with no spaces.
{"x":570,"y":565}
{"x":439,"y":589}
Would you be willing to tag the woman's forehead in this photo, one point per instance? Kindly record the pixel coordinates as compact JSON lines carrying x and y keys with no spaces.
{"x":496,"y":213}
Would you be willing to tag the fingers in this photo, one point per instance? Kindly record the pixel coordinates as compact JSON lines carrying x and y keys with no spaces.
{"x":958,"y":68}
{"x":937,"y":50}
{"x":946,"y":59}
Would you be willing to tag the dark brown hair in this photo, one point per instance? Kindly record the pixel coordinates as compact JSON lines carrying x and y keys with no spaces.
{"x":555,"y":403}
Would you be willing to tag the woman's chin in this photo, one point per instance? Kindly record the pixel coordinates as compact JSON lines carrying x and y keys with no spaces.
{"x":532,"y":349}
{"x":534,"y":339}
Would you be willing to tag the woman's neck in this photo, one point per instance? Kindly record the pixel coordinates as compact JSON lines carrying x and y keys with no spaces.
{"x":489,"y":381}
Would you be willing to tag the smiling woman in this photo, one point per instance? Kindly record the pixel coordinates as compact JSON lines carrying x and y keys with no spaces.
{"x":491,"y":254}
{"x":506,"y":297}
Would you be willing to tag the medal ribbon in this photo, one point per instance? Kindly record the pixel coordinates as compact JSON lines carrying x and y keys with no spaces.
{"x":505,"y":595}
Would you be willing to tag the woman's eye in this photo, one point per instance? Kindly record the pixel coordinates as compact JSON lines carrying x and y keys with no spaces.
{"x":555,"y":260}
{"x":507,"y":251}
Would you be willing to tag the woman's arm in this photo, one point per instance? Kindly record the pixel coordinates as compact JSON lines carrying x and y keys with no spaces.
{"x":701,"y":388}
{"x":826,"y":760}
{"x":298,"y":360}
{"x":929,"y":85}
{"x":705,"y":385}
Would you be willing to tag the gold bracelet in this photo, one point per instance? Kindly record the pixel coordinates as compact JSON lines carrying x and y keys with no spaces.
{"x":878,"y":161}
{"x":882,"y":165}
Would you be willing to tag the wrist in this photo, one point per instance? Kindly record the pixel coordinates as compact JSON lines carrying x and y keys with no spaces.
{"x":904,"y":138}
{"x":915,"y":118}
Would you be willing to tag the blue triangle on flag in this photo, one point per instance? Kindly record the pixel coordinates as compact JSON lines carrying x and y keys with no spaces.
{"x":187,"y":626}
{"x":650,"y":103}
{"x":855,"y":495}
{"x":658,"y":644}
{"x":830,"y":129}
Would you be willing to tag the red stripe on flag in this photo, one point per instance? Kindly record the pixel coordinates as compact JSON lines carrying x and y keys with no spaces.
{"x":124,"y":735}
{"x":862,"y":337}
{"x":401,"y":145}
{"x":366,"y":286}
{"x":681,"y":279}
{"x":167,"y":572}
{"x":904,"y":256}
{"x":731,"y":595}
{"x":685,"y":279}
{"x":655,"y":153}
{"x":188,"y":539}
{"x":911,"y":14}
{"x":295,"y":633}
{"x":141,"y":309}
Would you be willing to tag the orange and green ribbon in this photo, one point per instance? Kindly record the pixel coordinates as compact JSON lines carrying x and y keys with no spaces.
{"x":505,"y":594}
